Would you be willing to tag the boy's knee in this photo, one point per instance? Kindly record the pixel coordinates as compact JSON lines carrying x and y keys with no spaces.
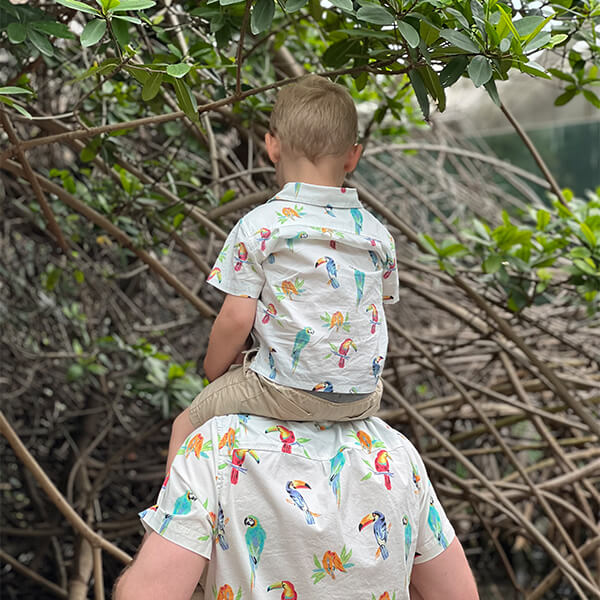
{"x":182,"y":420}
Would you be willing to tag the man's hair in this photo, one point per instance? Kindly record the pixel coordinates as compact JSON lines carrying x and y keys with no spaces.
{"x":315,"y":117}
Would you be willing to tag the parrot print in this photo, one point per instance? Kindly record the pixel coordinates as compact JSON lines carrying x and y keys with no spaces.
{"x":225,"y":593}
{"x":290,"y":214}
{"x":377,"y":366}
{"x":359,"y":279}
{"x":269,"y":313}
{"x":286,"y":436}
{"x":374,"y":259}
{"x":196,"y":445}
{"x":407,"y":538}
{"x":242,"y":256}
{"x":264,"y":235}
{"x":374,"y":317}
{"x":292,"y":488}
{"x":183,"y":506}
{"x":324,"y":386}
{"x":336,"y":465}
{"x":435,"y":524}
{"x":302,"y":339}
{"x":288,"y":590}
{"x":329,"y":210}
{"x":380,"y":530}
{"x":337,"y":320}
{"x":342,"y":351}
{"x":358,"y":220}
{"x":273,"y":373}
{"x":238,"y":457}
{"x":302,"y":235}
{"x":416,"y":478}
{"x":331,"y":270}
{"x":216,"y":272}
{"x":330,"y":563}
{"x":382,"y":466}
{"x":255,"y":543}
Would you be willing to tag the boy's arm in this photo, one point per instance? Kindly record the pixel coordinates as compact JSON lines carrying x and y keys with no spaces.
{"x":229,"y":334}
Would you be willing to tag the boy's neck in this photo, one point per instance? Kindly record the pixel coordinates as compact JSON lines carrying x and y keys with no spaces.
{"x":326,"y":171}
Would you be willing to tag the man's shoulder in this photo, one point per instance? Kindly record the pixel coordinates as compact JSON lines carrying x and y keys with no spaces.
{"x":324,"y":437}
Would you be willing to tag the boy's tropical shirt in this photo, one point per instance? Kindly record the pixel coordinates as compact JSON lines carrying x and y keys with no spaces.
{"x":301,"y":510}
{"x":321,"y":267}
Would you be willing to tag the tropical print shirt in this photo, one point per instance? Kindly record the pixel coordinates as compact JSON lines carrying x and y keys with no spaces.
{"x":321,"y":267}
{"x":296,"y":510}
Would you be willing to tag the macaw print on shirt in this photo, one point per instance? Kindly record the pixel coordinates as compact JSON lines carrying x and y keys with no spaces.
{"x":288,"y":289}
{"x":337,"y":320}
{"x":195,"y":445}
{"x":238,"y":456}
{"x":381,"y":468}
{"x":255,"y":543}
{"x":330,"y":563}
{"x":365,"y":441}
{"x":290,"y":214}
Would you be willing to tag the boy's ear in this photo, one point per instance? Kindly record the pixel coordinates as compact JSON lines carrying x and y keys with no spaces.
{"x":273,"y":147}
{"x":352,"y":158}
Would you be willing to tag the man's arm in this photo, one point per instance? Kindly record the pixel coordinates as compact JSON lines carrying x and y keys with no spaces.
{"x":161,"y":570}
{"x":445,"y":577}
{"x":229,"y":334}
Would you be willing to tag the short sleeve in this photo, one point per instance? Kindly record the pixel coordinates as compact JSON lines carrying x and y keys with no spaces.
{"x":391,"y":285}
{"x":435,"y":530}
{"x":238,"y":269}
{"x":187,"y":509}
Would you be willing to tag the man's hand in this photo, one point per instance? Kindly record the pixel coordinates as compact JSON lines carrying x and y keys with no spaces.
{"x":229,"y":334}
{"x":161,"y":570}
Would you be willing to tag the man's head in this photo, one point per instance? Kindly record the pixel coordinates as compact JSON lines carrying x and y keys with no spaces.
{"x":314,"y":120}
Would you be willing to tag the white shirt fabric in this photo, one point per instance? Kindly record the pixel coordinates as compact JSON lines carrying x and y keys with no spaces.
{"x":330,"y":510}
{"x":321,"y":267}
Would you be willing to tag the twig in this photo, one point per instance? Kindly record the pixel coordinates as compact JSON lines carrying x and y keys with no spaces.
{"x":54,"y":494}
{"x":39,"y":194}
{"x":536,"y":155}
{"x":21,"y":568}
{"x":240,"y":49}
{"x":102,"y":222}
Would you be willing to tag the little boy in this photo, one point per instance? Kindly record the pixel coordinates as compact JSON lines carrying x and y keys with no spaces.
{"x":307,"y":274}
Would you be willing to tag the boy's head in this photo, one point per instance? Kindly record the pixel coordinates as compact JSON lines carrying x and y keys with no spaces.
{"x":315,"y":118}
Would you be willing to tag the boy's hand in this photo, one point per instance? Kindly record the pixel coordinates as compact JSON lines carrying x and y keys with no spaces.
{"x":229,"y":335}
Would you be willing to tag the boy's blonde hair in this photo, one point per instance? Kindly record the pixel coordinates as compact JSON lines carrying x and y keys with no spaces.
{"x":315,"y":117}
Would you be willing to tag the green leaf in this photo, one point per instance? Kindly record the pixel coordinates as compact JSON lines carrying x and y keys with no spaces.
{"x":343,"y":4}
{"x":134,"y":5}
{"x":79,"y":6}
{"x":543,"y":219}
{"x":460,"y":40}
{"x":262,"y":16}
{"x":120,"y":30}
{"x":420,"y":91}
{"x":11,"y":89}
{"x":492,"y":263}
{"x":127,"y":18}
{"x":340,"y":52}
{"x":367,"y":476}
{"x":409,"y":33}
{"x":16,"y":33}
{"x":92,"y":33}
{"x":561,"y":75}
{"x":294,"y":5}
{"x":432,"y":82}
{"x":589,"y":235}
{"x":373,"y":13}
{"x":41,"y":42}
{"x":591,"y":97}
{"x":75,"y":372}
{"x":505,"y":44}
{"x":59,"y":30}
{"x":428,"y":32}
{"x":541,"y":39}
{"x":178,"y":70}
{"x":453,"y":70}
{"x":490,"y":87}
{"x":527,"y":25}
{"x":566,"y":97}
{"x":185,"y":99}
{"x":19,"y":109}
{"x":152,"y":86}
{"x":480,"y":70}
{"x":459,"y":17}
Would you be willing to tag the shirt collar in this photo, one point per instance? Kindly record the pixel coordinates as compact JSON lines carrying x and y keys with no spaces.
{"x":319,"y":195}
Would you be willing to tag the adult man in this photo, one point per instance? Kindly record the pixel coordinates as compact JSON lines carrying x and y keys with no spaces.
{"x":304,"y":510}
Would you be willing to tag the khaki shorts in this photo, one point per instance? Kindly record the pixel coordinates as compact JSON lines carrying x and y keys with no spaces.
{"x":241,"y":390}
